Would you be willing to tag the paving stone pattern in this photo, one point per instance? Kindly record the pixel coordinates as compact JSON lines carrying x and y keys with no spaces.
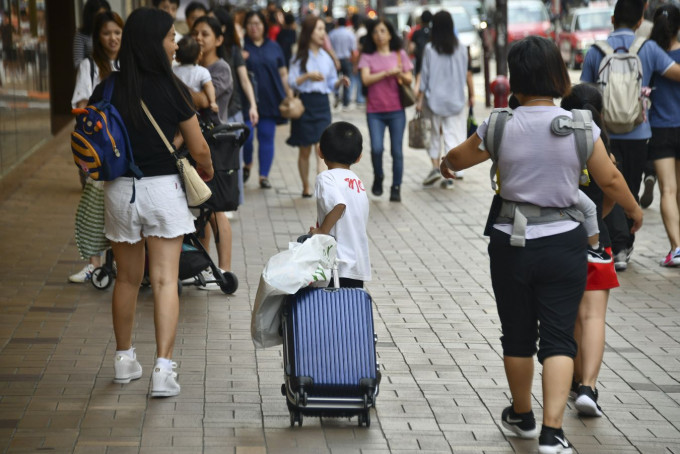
{"x":443,"y":383}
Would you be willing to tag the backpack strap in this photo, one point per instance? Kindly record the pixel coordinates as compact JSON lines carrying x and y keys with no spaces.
{"x":604,"y":47}
{"x":634,"y":48}
{"x":108,"y":87}
{"x":492,"y":141}
{"x":581,"y":125}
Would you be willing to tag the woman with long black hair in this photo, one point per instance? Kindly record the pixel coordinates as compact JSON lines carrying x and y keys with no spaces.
{"x":313,"y":74}
{"x":158,"y":217}
{"x":444,"y":74}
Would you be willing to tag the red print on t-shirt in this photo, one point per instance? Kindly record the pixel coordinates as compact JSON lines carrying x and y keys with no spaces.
{"x":353,"y":182}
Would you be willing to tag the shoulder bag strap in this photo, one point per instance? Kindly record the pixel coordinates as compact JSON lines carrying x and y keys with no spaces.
{"x":108,"y":87}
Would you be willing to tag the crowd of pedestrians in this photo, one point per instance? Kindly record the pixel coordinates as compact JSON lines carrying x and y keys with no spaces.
{"x":240,"y":66}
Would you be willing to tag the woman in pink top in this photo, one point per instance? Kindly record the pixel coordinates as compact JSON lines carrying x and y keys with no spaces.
{"x":384,"y":65}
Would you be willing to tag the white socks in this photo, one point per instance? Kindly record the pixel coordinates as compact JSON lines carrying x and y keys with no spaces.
{"x":163,"y":363}
{"x":129,"y":353}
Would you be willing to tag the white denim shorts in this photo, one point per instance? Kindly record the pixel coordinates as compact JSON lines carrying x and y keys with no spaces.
{"x":159,"y":209}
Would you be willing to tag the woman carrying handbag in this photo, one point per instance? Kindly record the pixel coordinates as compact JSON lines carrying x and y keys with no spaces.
{"x":313,"y":74}
{"x":444,"y":74}
{"x":158,"y":216}
{"x":384,"y":67}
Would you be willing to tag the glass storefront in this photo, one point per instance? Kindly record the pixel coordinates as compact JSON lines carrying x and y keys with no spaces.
{"x":24,"y":92}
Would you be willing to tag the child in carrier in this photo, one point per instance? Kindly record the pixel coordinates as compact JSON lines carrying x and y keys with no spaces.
{"x":342,"y":203}
{"x":196,"y":77}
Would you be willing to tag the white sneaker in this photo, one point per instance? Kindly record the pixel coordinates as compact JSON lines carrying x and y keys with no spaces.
{"x":164,"y":382}
{"x":126,"y":368}
{"x":209,"y":276}
{"x":459,"y":174}
{"x":83,"y":275}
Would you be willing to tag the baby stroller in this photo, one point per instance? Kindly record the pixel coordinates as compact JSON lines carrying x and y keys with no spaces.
{"x":224,"y":140}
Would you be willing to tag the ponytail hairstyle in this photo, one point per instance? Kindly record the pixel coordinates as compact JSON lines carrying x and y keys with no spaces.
{"x":666,"y":25}
{"x":308,"y":26}
{"x":99,"y":55}
{"x":588,"y":97}
{"x":142,"y":56}
{"x":229,"y":32}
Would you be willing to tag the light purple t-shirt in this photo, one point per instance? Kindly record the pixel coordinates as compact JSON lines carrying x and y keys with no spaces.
{"x":537,"y":166}
{"x":383,"y":96}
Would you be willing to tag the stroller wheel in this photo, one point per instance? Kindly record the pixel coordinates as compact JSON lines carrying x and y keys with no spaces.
{"x":230,"y":283}
{"x":101,"y":278}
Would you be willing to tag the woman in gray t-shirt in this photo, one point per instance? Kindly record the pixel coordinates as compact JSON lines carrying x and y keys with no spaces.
{"x":538,"y":286}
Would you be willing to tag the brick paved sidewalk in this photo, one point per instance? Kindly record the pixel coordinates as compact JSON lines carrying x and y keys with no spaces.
{"x":443,"y":384}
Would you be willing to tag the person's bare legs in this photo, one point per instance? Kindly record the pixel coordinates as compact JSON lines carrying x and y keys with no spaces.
{"x":303,"y":168}
{"x":590,"y":336}
{"x":130,"y":264}
{"x":163,"y":273}
{"x":220,"y":223}
{"x":668,"y":174}
{"x":520,"y":374}
{"x":557,"y":374}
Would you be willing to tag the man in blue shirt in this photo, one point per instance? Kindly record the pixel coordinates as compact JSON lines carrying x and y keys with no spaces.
{"x":629,"y":149}
{"x":344,"y":43}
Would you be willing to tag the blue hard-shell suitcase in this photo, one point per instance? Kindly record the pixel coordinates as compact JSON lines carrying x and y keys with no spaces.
{"x":330,"y":365}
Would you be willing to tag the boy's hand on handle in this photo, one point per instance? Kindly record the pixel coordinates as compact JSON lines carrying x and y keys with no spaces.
{"x":206,"y":174}
{"x":214,"y":107}
{"x":636,"y":216}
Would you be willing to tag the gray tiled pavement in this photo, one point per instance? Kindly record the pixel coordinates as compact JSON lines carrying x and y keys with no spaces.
{"x":443,"y":383}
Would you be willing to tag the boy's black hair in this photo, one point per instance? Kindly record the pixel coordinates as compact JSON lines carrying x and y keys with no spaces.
{"x":155,"y":3}
{"x":537,"y":69}
{"x":627,"y":13}
{"x":341,"y":142}
{"x":193,"y":6}
{"x":188,"y":51}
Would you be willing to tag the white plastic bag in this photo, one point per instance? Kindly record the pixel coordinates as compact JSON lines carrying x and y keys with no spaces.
{"x":302,"y":265}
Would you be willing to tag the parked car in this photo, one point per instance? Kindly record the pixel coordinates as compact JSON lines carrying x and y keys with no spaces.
{"x":528,"y":17}
{"x":580,"y":29}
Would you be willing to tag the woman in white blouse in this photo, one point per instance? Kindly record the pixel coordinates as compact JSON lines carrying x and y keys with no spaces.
{"x":90,"y":239}
{"x":313,"y":74}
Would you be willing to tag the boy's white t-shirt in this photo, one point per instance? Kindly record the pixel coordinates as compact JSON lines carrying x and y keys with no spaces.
{"x":342,"y":186}
{"x":193,"y":76}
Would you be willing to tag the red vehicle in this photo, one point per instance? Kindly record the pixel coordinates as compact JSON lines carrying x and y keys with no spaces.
{"x":580,"y":29}
{"x":528,"y":17}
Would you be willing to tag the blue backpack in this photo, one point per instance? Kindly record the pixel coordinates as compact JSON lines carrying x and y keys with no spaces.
{"x":100,"y":143}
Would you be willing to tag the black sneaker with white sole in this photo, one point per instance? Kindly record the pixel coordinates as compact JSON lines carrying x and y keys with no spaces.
{"x":521,"y":424}
{"x":598,"y":255}
{"x":553,"y":441}
{"x":586,"y":401}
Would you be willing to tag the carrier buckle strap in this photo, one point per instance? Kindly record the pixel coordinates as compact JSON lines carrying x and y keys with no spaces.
{"x":493,"y":138}
{"x":523,"y":214}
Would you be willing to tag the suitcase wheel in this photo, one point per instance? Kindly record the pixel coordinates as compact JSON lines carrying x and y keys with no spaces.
{"x":230,"y":284}
{"x":365,"y":419}
{"x":295,"y":416}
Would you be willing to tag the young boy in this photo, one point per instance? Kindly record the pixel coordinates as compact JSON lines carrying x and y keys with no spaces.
{"x":342,"y":203}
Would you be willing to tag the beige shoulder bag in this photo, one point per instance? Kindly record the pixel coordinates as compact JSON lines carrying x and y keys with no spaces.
{"x":195,"y":188}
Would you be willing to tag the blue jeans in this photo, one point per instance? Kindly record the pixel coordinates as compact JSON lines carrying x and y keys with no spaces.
{"x":266,"y":128}
{"x":355,"y":85}
{"x":395,"y":122}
